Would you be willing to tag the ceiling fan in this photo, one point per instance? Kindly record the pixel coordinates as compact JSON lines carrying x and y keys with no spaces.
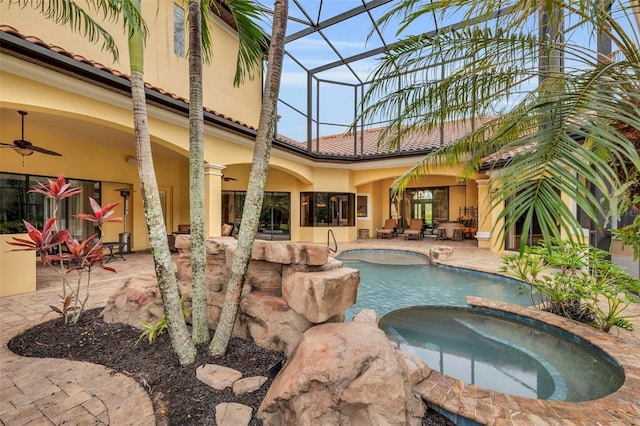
{"x":227,"y":178}
{"x":24,"y":147}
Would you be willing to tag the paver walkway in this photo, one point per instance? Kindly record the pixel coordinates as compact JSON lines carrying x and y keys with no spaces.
{"x":37,"y":391}
{"x":44,"y":391}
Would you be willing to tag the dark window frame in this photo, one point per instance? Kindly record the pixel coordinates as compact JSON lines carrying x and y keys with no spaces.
{"x":36,"y":208}
{"x":327,"y":209}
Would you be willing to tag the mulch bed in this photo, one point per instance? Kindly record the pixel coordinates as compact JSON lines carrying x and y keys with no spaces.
{"x":178,"y":397}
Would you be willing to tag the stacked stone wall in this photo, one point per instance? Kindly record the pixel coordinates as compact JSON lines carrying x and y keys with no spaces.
{"x":289,"y":288}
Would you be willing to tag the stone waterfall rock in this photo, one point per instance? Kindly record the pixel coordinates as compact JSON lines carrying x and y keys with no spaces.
{"x":347,"y":374}
{"x":271,"y":323}
{"x":136,"y":301}
{"x":366,"y":316}
{"x":318,"y":289}
{"x":318,"y":296}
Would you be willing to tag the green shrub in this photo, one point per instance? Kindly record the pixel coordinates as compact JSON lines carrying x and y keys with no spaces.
{"x":576,"y":281}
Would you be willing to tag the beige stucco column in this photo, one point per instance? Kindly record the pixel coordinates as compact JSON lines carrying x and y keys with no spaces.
{"x":487,"y":219}
{"x":483,"y":235}
{"x":213,"y":199}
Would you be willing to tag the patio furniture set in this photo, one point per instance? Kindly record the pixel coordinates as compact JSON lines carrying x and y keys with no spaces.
{"x":445,"y":230}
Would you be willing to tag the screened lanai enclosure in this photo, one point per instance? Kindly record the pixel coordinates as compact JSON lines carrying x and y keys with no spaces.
{"x":332,"y":48}
{"x":335,"y":55}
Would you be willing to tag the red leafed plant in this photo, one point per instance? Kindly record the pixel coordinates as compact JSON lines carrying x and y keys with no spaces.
{"x":59,"y":250}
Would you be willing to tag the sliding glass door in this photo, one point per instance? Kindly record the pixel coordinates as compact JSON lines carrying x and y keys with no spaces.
{"x":275,"y":220}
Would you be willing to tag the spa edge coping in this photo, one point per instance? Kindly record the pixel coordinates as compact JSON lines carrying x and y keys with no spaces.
{"x":467,"y":404}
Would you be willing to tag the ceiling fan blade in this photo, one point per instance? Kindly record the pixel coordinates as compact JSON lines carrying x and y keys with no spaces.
{"x":44,"y":151}
{"x":7,"y":145}
{"x":22,"y":144}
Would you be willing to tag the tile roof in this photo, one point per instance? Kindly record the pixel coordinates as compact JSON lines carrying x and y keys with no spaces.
{"x":367,"y":141}
{"x":117,"y":73}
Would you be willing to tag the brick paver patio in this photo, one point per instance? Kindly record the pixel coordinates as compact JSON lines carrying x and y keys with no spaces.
{"x":52,"y":391}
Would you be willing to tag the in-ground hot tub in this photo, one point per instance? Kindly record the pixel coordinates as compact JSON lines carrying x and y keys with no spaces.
{"x":508,"y":355}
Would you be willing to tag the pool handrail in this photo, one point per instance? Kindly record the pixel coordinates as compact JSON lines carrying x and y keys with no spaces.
{"x":335,"y":243}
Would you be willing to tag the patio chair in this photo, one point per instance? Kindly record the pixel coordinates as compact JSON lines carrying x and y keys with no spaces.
{"x":226,"y":230}
{"x":388,"y":230}
{"x":415,"y":229}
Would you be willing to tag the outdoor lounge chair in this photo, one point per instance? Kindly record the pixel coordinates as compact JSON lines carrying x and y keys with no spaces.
{"x":388,"y":230}
{"x":415,"y":230}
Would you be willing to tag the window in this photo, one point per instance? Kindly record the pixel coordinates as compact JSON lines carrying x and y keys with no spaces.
{"x":327,"y":209}
{"x":362,"y":206}
{"x":178,"y":30}
{"x":16,"y":204}
{"x":428,"y":204}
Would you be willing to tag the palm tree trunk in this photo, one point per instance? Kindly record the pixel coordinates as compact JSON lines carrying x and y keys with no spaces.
{"x":177,"y":327}
{"x":196,"y":177}
{"x":257,"y":180}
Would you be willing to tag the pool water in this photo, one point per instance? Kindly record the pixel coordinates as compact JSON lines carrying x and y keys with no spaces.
{"x":503,"y":355}
{"x":391,"y":280}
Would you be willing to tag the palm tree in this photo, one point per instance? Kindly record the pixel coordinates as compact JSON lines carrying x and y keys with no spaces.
{"x":197,"y":237}
{"x":181,"y":342}
{"x":257,"y":180}
{"x":251,"y":44}
{"x":68,"y":12}
{"x":178,"y":333}
{"x":562,"y":134}
{"x":249,"y":56}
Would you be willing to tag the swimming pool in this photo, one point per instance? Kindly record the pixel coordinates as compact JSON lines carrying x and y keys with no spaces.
{"x":424,"y":310}
{"x":391,"y":280}
{"x":501,"y":354}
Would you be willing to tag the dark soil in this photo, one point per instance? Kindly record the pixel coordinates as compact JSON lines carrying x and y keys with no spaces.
{"x":573,"y":309}
{"x":178,"y":397}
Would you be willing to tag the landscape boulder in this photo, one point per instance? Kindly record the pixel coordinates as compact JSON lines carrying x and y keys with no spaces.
{"x":347,"y":374}
{"x":320,"y":295}
{"x":136,"y":301}
{"x":233,"y":414}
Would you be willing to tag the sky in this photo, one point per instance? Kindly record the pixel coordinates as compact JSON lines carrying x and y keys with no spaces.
{"x":350,"y":37}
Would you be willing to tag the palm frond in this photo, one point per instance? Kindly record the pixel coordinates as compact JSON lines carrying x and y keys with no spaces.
{"x":252,"y":41}
{"x":85,"y":23}
{"x":562,"y":137}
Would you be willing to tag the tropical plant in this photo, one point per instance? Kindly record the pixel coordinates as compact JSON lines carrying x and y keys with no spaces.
{"x":630,"y":235}
{"x":257,"y":180}
{"x":65,"y":308}
{"x":573,"y":113}
{"x":153,"y":330}
{"x":59,"y":250}
{"x":608,"y":282}
{"x":576,"y":281}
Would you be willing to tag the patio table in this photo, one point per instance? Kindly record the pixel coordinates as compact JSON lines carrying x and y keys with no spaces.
{"x":111,"y":245}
